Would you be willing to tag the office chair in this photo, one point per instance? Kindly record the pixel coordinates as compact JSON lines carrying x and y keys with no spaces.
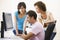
{"x":54,"y":33}
{"x":49,"y":30}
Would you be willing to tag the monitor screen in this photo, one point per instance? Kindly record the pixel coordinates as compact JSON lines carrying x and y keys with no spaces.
{"x":8,"y":20}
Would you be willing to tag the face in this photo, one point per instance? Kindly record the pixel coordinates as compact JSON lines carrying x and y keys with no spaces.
{"x":30,"y":19}
{"x":37,"y":9}
{"x":22,"y":9}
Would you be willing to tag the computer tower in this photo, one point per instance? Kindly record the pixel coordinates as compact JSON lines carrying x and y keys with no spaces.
{"x":2,"y":29}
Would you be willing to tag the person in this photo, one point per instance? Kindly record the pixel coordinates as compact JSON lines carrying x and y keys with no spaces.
{"x":37,"y":31}
{"x":44,"y":16}
{"x":20,"y":17}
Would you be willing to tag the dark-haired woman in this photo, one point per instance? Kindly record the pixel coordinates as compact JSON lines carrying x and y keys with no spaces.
{"x":20,"y":17}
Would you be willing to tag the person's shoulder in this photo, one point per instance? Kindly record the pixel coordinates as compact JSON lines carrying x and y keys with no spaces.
{"x":38,"y":24}
{"x":16,"y":13}
{"x":48,"y":13}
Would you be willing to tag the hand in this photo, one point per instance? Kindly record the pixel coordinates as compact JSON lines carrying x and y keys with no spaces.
{"x":23,"y":35}
{"x":45,"y":24}
{"x":18,"y":34}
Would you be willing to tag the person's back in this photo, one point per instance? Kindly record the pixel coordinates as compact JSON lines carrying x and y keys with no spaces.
{"x":38,"y":31}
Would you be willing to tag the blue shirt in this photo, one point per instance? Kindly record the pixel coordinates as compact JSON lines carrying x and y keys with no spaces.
{"x":20,"y":21}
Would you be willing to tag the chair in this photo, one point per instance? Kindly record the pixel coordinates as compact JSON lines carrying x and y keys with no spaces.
{"x":53,"y":34}
{"x":49,"y":30}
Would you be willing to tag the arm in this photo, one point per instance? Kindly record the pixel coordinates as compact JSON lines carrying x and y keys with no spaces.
{"x":51,"y":18}
{"x":34,"y":31}
{"x":16,"y":26}
{"x":24,"y":25}
{"x":29,"y":35}
{"x":40,"y":20}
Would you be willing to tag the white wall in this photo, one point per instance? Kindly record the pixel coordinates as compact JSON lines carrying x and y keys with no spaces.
{"x":10,"y":6}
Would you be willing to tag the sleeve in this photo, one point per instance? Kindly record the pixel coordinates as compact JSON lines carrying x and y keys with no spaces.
{"x":51,"y":19}
{"x":16,"y":14}
{"x":35,"y":30}
{"x":15,"y":20}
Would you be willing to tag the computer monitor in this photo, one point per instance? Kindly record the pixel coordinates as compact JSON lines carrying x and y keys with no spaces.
{"x":6,"y":23}
{"x":7,"y":19}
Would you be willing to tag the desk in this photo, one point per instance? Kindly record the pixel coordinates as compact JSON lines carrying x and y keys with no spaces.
{"x":8,"y":35}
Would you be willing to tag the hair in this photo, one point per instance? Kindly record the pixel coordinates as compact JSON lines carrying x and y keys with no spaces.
{"x":32,"y":14}
{"x":41,"y":5}
{"x":21,"y":4}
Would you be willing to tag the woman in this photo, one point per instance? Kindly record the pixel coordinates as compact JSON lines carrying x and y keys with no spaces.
{"x":43,"y":16}
{"x":20,"y":16}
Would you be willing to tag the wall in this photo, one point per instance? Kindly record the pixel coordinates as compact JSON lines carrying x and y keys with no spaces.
{"x":10,"y":6}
